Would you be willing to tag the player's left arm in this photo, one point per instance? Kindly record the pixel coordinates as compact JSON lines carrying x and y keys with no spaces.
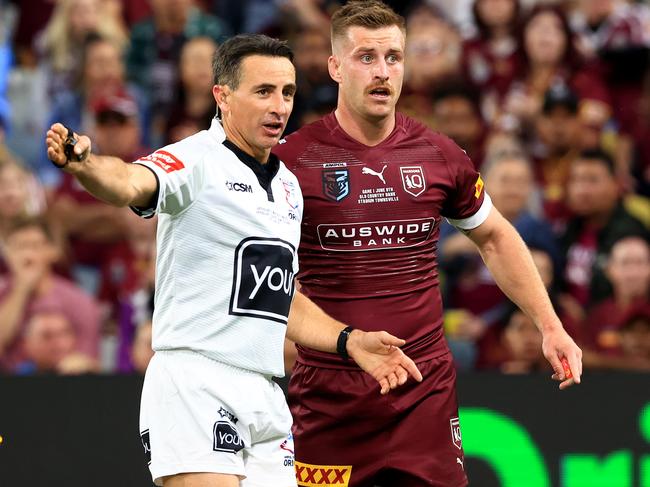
{"x":377,"y":353}
{"x":508,"y":259}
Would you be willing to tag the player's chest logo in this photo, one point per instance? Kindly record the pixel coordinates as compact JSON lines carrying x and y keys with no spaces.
{"x":413,"y":180}
{"x":336,"y":184}
{"x":372,"y":172}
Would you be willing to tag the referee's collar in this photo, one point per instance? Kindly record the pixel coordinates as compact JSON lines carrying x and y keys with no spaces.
{"x":264,"y":172}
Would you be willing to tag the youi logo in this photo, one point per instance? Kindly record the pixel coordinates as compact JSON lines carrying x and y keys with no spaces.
{"x":263,"y":284}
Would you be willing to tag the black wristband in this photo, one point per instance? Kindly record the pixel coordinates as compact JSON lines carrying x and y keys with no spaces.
{"x":342,"y":343}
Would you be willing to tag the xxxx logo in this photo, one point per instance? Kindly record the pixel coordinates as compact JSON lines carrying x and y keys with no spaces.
{"x":323,"y":475}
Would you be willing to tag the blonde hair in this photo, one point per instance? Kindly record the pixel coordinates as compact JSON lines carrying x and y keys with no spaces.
{"x":57,"y":39}
{"x":371,"y":14}
{"x":35,"y":203}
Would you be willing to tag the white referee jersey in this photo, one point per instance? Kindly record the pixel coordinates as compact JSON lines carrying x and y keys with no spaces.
{"x":227,"y":251}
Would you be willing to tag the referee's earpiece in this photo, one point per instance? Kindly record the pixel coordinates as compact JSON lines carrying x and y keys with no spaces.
{"x":220,"y":93}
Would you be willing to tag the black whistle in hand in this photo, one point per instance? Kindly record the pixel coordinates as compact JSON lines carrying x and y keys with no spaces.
{"x":68,"y":147}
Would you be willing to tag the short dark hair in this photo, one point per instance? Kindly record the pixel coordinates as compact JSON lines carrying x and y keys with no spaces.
{"x":226,"y":65}
{"x":458,"y":90}
{"x":38,"y":222}
{"x":599,"y":155}
{"x":371,"y":14}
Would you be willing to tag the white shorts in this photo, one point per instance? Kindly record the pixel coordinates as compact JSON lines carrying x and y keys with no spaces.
{"x":199,"y":415}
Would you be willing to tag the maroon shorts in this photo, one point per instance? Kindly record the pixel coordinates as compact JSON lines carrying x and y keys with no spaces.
{"x":347,"y":435}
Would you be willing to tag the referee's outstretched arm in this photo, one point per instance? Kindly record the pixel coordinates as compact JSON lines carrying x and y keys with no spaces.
{"x":109,"y":179}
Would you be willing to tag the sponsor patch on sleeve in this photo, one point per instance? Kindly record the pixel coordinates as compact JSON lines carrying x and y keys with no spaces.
{"x":479,"y":187}
{"x":323,"y":475}
{"x":164,"y":160}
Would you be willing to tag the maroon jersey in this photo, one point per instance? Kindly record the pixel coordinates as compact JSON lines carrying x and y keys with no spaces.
{"x":370,"y":227}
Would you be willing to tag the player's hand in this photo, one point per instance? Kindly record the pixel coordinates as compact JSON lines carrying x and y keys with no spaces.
{"x":558,"y":346}
{"x":55,"y":140}
{"x":378,"y":353}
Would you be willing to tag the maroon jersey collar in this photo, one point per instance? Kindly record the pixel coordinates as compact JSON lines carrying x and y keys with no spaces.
{"x":345,"y":140}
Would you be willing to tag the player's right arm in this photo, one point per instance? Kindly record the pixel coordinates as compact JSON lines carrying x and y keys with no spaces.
{"x":109,"y":179}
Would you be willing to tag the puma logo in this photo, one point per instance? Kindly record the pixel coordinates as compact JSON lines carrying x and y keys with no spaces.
{"x":458,"y":460}
{"x":380,"y":175}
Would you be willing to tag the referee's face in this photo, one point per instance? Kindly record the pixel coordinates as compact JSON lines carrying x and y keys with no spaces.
{"x":256,"y":113}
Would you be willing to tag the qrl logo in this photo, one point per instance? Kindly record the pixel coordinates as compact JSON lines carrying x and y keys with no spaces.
{"x":456,"y":437}
{"x":413,"y":180}
{"x":263,"y":279}
{"x":226,"y":438}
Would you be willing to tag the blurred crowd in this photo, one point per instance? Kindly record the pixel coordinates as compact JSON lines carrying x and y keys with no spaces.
{"x":551,"y":99}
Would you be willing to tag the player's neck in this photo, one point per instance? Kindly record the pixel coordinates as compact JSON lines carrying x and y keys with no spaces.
{"x":369,"y":132}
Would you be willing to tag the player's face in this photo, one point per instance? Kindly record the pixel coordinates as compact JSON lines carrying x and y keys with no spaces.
{"x":256,"y":113}
{"x":368,"y":65}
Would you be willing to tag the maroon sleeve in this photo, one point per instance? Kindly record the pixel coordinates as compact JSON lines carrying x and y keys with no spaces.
{"x":466,"y":192}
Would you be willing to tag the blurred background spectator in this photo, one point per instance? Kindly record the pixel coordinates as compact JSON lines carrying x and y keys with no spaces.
{"x":155,"y":49}
{"x":456,"y":113}
{"x":628,"y":271}
{"x":490,"y":59}
{"x":50,"y":344}
{"x":598,"y":220}
{"x":194,"y":106}
{"x":31,"y":287}
{"x":549,"y":98}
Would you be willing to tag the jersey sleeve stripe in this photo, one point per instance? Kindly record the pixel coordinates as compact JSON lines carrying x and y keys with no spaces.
{"x":477,"y":218}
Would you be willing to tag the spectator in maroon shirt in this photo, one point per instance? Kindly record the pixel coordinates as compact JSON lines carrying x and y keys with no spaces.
{"x":599,"y":220}
{"x":117,"y":126}
{"x":128,"y":282}
{"x":635,"y":338}
{"x":194,"y":109}
{"x":616,"y":34}
{"x":432,"y":59}
{"x":556,"y":143}
{"x":549,"y":57}
{"x":317,"y":92}
{"x":522,"y":344}
{"x":50,"y":343}
{"x":489,"y":61}
{"x":456,"y":113}
{"x":628,"y":271}
{"x":31,"y":286}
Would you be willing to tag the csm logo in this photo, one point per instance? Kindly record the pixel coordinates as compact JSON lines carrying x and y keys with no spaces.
{"x":226,"y":438}
{"x":263,"y":279}
{"x":245,"y":188}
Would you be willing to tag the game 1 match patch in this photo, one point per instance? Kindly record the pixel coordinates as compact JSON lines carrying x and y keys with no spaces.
{"x":323,"y":475}
{"x":164,"y":160}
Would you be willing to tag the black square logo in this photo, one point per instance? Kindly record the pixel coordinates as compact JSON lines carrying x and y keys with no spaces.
{"x":146,"y":444}
{"x":226,"y":438}
{"x":263,"y":279}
